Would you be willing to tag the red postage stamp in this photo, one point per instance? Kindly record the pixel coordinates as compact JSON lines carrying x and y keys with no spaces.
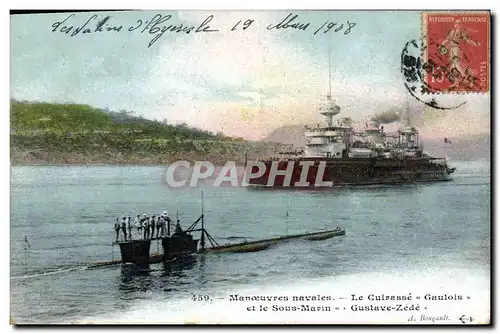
{"x":456,"y":51}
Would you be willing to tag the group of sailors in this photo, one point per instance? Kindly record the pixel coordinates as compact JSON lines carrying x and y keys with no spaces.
{"x":145,"y":225}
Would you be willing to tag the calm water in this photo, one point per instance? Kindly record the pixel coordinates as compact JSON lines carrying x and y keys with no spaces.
{"x":67,"y":214}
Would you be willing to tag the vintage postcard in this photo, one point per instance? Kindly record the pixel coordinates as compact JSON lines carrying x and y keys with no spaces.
{"x":250,"y":167}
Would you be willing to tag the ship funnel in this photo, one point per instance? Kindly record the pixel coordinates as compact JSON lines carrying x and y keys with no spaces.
{"x":346,"y":121}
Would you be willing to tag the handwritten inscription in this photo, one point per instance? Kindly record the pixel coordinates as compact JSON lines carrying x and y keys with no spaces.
{"x":86,"y":28}
{"x":160,"y":24}
{"x":290,"y":22}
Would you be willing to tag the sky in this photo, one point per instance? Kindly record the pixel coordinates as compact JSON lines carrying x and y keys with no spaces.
{"x":243,"y":82}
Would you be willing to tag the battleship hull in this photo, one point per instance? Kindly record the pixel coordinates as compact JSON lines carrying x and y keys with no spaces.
{"x":323,"y":173}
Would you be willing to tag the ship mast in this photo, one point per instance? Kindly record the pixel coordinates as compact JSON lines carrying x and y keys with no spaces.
{"x":406,"y":116}
{"x":331,"y":108}
{"x":329,"y":70}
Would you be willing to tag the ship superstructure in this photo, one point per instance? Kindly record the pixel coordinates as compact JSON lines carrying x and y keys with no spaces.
{"x":339,"y":140}
{"x":336,"y":154}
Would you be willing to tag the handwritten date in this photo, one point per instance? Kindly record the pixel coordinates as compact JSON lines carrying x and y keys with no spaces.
{"x":290,"y":22}
{"x":159,"y":24}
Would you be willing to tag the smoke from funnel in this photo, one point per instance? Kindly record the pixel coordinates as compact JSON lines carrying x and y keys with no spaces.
{"x":387,"y":117}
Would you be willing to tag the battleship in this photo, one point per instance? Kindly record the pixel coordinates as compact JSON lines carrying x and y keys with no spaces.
{"x":336,"y":155}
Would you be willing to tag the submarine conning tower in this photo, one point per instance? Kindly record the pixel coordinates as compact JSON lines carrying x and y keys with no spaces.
{"x":135,"y":251}
{"x":178,"y":244}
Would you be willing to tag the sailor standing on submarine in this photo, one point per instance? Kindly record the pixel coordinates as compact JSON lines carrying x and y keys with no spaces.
{"x":117,"y":228}
{"x":124,"y":228}
{"x":145,"y":226}
{"x":160,"y":225}
{"x":152,"y":225}
{"x":129,"y":228}
{"x":178,"y":230}
{"x":166,"y":220}
{"x":138,"y":225}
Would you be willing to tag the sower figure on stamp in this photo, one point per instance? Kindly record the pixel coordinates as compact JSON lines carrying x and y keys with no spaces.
{"x":459,"y":67}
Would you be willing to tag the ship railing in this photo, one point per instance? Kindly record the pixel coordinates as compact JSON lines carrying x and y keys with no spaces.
{"x":439,"y":161}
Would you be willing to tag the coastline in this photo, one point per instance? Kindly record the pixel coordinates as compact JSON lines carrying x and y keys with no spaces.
{"x":218,"y":154}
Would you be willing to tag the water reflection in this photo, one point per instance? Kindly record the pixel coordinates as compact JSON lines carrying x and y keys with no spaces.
{"x":129,"y":270}
{"x":179,"y":267}
{"x":167,"y":276}
{"x":340,"y":190}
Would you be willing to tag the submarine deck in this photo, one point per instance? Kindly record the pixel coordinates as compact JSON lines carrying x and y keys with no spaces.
{"x":243,"y":247}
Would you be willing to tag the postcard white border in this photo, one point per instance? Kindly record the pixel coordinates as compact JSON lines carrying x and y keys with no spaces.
{"x":188,"y":5}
